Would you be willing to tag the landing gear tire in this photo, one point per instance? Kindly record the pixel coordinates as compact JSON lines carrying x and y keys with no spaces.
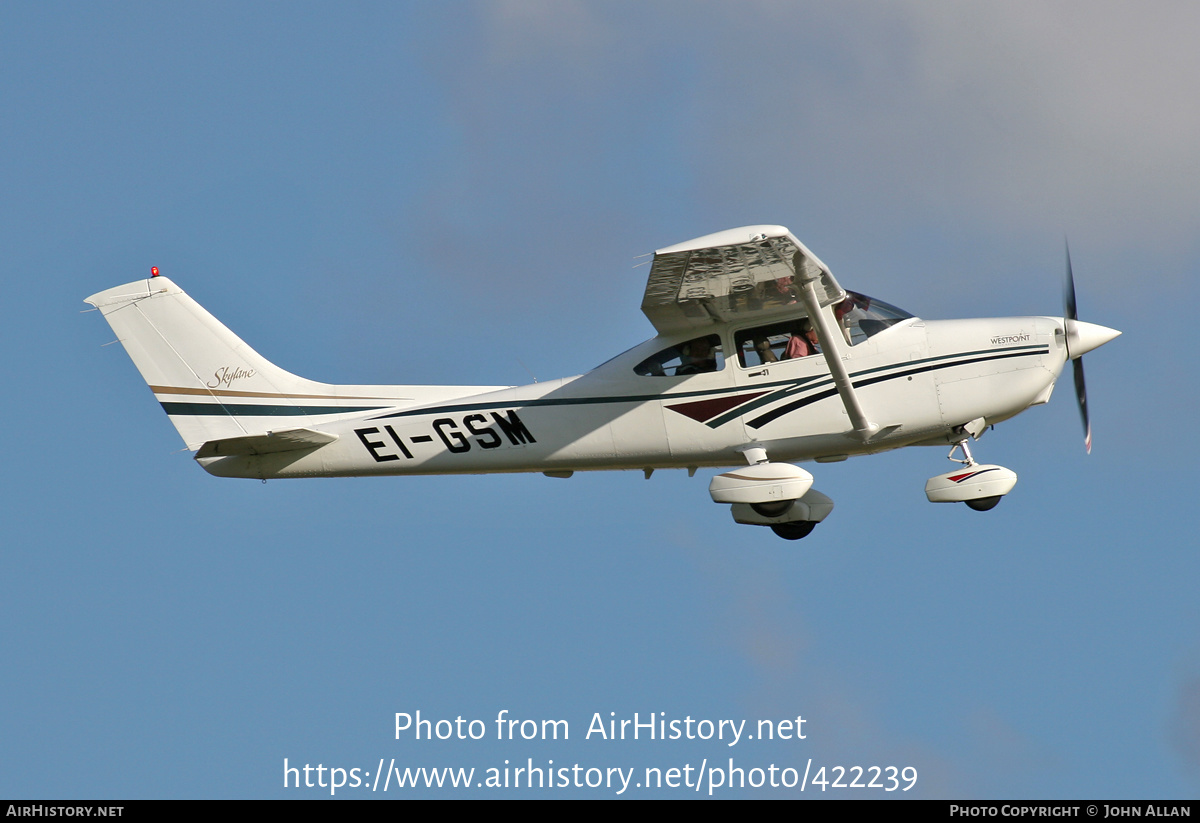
{"x":794,"y":530}
{"x":772,"y":509}
{"x":983,"y":504}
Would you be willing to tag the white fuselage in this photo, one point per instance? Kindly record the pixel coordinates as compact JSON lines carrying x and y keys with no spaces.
{"x":917,"y":380}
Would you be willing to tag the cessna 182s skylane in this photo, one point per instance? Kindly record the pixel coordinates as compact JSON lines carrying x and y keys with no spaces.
{"x":760,"y":358}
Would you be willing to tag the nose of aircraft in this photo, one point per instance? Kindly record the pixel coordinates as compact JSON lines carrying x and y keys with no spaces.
{"x":1083,"y":337}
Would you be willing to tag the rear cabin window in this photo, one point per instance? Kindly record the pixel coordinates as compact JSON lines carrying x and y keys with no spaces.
{"x":703,"y":354}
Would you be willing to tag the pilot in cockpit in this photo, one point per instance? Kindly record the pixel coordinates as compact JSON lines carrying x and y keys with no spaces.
{"x":853,"y":301}
{"x":698,"y":356}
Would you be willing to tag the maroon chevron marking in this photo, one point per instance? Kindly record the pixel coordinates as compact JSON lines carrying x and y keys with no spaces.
{"x":701,"y":410}
{"x":958,"y":478}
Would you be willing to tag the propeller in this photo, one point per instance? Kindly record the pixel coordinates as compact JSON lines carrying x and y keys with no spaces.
{"x":1081,"y":338}
{"x":1071,"y":315}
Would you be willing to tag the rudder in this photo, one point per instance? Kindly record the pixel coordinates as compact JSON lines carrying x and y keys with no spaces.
{"x":211,"y":384}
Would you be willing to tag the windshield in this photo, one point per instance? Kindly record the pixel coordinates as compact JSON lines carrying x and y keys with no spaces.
{"x":862,"y":317}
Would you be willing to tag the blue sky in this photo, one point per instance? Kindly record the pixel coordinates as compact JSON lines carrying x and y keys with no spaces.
{"x":369,"y":192}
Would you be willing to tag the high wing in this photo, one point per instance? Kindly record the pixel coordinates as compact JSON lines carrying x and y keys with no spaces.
{"x":738,"y":274}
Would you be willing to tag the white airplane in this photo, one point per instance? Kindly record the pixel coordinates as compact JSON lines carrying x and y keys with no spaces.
{"x":761,"y":358}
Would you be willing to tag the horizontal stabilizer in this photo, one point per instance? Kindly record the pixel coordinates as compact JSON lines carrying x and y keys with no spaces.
{"x":278,"y":441}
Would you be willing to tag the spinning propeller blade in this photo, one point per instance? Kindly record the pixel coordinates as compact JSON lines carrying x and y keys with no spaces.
{"x":1069,"y":290}
{"x":1071,"y":313}
{"x":1081,"y":338}
{"x":1081,"y":397}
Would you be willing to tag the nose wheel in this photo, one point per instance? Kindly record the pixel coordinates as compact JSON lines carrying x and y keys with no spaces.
{"x":979,"y":485}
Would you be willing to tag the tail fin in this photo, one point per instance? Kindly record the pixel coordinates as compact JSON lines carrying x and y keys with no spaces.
{"x":210,"y":383}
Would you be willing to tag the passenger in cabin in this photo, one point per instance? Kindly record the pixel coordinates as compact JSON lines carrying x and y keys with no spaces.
{"x":765,"y":353}
{"x":803,"y":342}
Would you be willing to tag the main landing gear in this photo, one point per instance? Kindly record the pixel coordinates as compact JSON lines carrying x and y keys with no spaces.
{"x":778,"y":495}
{"x":794,"y":530}
{"x":979,"y":485}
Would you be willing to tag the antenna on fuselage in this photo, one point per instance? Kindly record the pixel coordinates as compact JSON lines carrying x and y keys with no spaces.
{"x":526,"y":368}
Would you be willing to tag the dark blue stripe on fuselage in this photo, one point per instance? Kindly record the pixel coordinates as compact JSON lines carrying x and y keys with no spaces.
{"x":792,"y":386}
{"x":779,"y":411}
{"x":256,"y":410}
{"x":810,"y":383}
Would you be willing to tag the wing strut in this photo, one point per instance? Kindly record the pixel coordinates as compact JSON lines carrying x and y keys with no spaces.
{"x":807,"y":274}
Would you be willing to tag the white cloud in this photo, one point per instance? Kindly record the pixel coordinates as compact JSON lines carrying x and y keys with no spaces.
{"x":1028,"y":115}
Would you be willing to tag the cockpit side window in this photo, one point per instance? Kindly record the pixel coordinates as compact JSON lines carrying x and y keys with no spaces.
{"x":861,"y":317}
{"x":858,"y":318}
{"x":703,"y":354}
{"x":779,"y":341}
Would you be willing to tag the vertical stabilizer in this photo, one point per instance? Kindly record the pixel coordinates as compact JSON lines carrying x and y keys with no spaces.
{"x":210,"y":383}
